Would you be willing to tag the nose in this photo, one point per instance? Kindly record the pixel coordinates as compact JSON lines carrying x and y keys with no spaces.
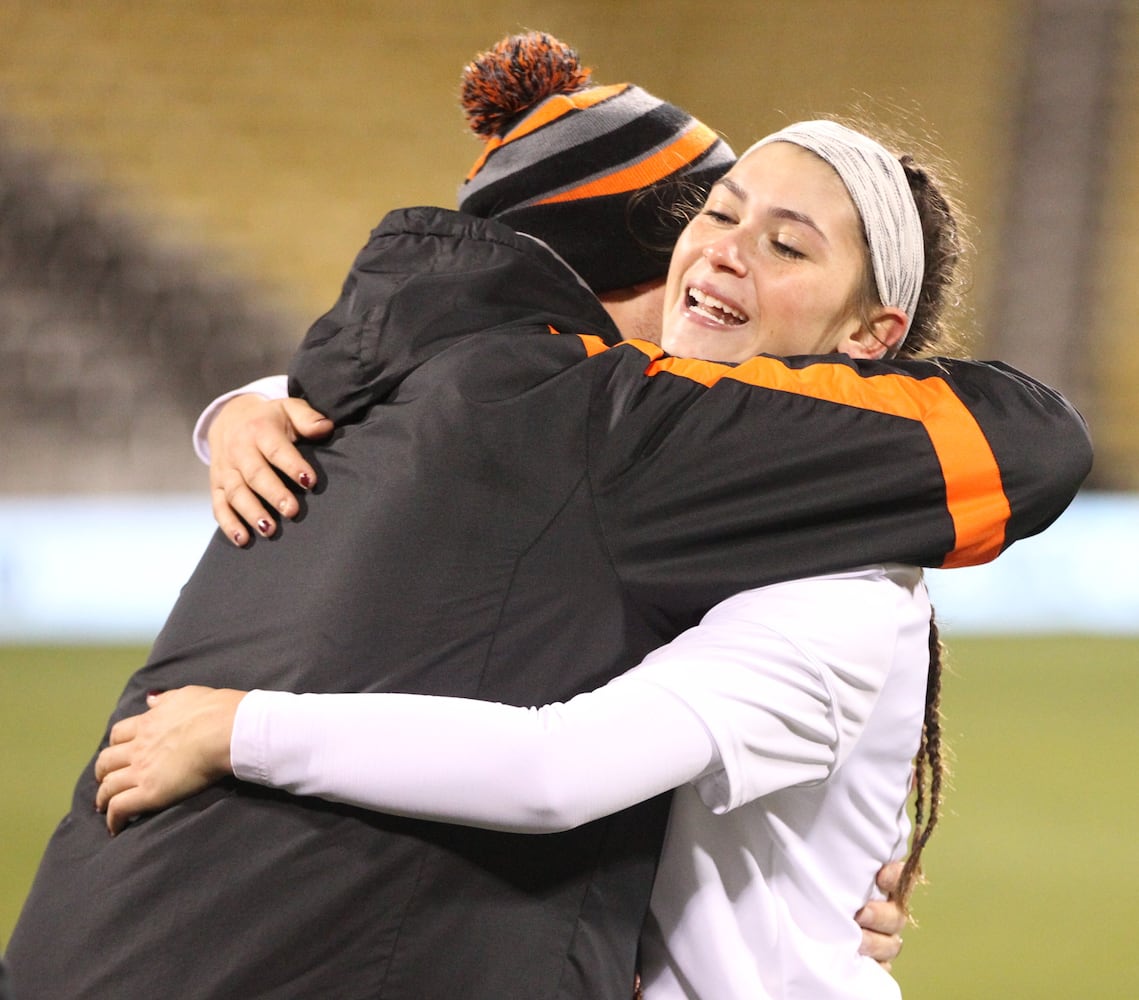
{"x":724,"y":255}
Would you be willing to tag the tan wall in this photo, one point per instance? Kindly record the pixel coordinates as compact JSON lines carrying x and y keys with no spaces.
{"x":1116,"y":419}
{"x":284,"y":130}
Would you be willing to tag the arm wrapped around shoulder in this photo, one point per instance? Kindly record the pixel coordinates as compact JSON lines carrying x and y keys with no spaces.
{"x":1040,"y":442}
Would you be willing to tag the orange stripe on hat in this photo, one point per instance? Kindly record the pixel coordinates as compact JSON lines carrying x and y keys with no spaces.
{"x":974,"y":493}
{"x":548,"y":111}
{"x":657,"y":166}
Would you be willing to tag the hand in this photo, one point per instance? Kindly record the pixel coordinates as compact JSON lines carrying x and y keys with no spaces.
{"x":170,"y":752}
{"x":882,"y":921}
{"x":248,"y":438}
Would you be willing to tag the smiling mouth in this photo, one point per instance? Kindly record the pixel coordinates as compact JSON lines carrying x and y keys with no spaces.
{"x":712,"y":308}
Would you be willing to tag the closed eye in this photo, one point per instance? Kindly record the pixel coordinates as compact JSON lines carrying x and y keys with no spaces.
{"x":717,"y":216}
{"x":786,"y":250}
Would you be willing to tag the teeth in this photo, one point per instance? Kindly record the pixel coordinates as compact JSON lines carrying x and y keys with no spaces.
{"x":713,"y":308}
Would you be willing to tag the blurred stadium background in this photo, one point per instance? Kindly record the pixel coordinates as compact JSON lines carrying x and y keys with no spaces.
{"x":183,"y":186}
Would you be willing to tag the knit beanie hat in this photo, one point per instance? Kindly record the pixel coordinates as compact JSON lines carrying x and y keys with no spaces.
{"x":606,"y":176}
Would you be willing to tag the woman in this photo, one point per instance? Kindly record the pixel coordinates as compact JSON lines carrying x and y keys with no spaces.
{"x":789,"y":718}
{"x":518,"y":509}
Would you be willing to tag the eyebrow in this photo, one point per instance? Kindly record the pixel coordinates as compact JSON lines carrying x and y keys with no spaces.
{"x":779,"y":213}
{"x":793,"y":216}
{"x":732,"y":186}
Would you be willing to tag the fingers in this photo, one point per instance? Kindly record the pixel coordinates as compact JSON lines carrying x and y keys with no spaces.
{"x":111,"y":759}
{"x":889,"y":876}
{"x":157,"y":758}
{"x":882,"y":923}
{"x":123,"y":807}
{"x":274,"y":430}
{"x":258,"y":463}
{"x":250,"y":440}
{"x":118,"y":795}
{"x":882,"y":916}
{"x":113,"y":778}
{"x":235,"y":506}
{"x":883,"y":948}
{"x":124,"y":729}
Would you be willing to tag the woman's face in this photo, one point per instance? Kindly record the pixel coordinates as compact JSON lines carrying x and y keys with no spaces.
{"x":771,"y":265}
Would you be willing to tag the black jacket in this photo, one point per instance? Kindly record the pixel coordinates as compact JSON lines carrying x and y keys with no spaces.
{"x":526,"y":513}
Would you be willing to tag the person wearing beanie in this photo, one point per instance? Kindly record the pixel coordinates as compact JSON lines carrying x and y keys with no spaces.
{"x":514,"y":508}
{"x":605,"y":176}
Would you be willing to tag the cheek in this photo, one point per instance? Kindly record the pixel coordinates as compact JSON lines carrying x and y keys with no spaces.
{"x":677,"y":268}
{"x":817,"y":308}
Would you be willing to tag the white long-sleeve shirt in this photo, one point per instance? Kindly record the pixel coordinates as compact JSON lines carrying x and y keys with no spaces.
{"x":789,"y":716}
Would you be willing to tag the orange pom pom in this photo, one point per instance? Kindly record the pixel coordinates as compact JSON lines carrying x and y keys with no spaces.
{"x":516,"y":75}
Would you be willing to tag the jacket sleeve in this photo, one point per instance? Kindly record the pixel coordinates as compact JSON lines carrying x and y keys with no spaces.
{"x":426,"y":279}
{"x":710,"y":479}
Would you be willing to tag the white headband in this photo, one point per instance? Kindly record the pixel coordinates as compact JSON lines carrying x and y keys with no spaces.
{"x":879,"y":189}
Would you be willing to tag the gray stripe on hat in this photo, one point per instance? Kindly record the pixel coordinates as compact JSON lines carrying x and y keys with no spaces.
{"x":559,"y":138}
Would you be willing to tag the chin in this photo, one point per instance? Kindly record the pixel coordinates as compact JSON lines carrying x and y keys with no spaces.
{"x":707,"y":346}
{"x":709,"y":352}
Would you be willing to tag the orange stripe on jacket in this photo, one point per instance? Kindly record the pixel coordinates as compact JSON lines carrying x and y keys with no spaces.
{"x":974,"y":493}
{"x":593,"y":345}
{"x":663,"y":163}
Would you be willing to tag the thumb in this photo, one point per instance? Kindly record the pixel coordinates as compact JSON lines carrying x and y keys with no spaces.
{"x":306,"y":421}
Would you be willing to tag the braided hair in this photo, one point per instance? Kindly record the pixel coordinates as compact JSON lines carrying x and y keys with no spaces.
{"x":929,"y":774}
{"x":930,"y":334}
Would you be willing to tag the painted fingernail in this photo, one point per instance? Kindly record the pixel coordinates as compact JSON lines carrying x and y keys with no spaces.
{"x":263,"y":526}
{"x":305,"y":480}
{"x":153,"y":692}
{"x":238,"y":539}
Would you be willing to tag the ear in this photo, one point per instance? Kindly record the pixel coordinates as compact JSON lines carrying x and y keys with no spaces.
{"x":885,"y":332}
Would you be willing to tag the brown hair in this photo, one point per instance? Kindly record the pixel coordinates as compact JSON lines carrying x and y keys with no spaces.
{"x":938,"y":324}
{"x":936,"y":329}
{"x":940,"y":299}
{"x":929,"y":774}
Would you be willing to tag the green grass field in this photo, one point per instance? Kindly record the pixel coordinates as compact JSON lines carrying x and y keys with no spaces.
{"x":1034,"y":880}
